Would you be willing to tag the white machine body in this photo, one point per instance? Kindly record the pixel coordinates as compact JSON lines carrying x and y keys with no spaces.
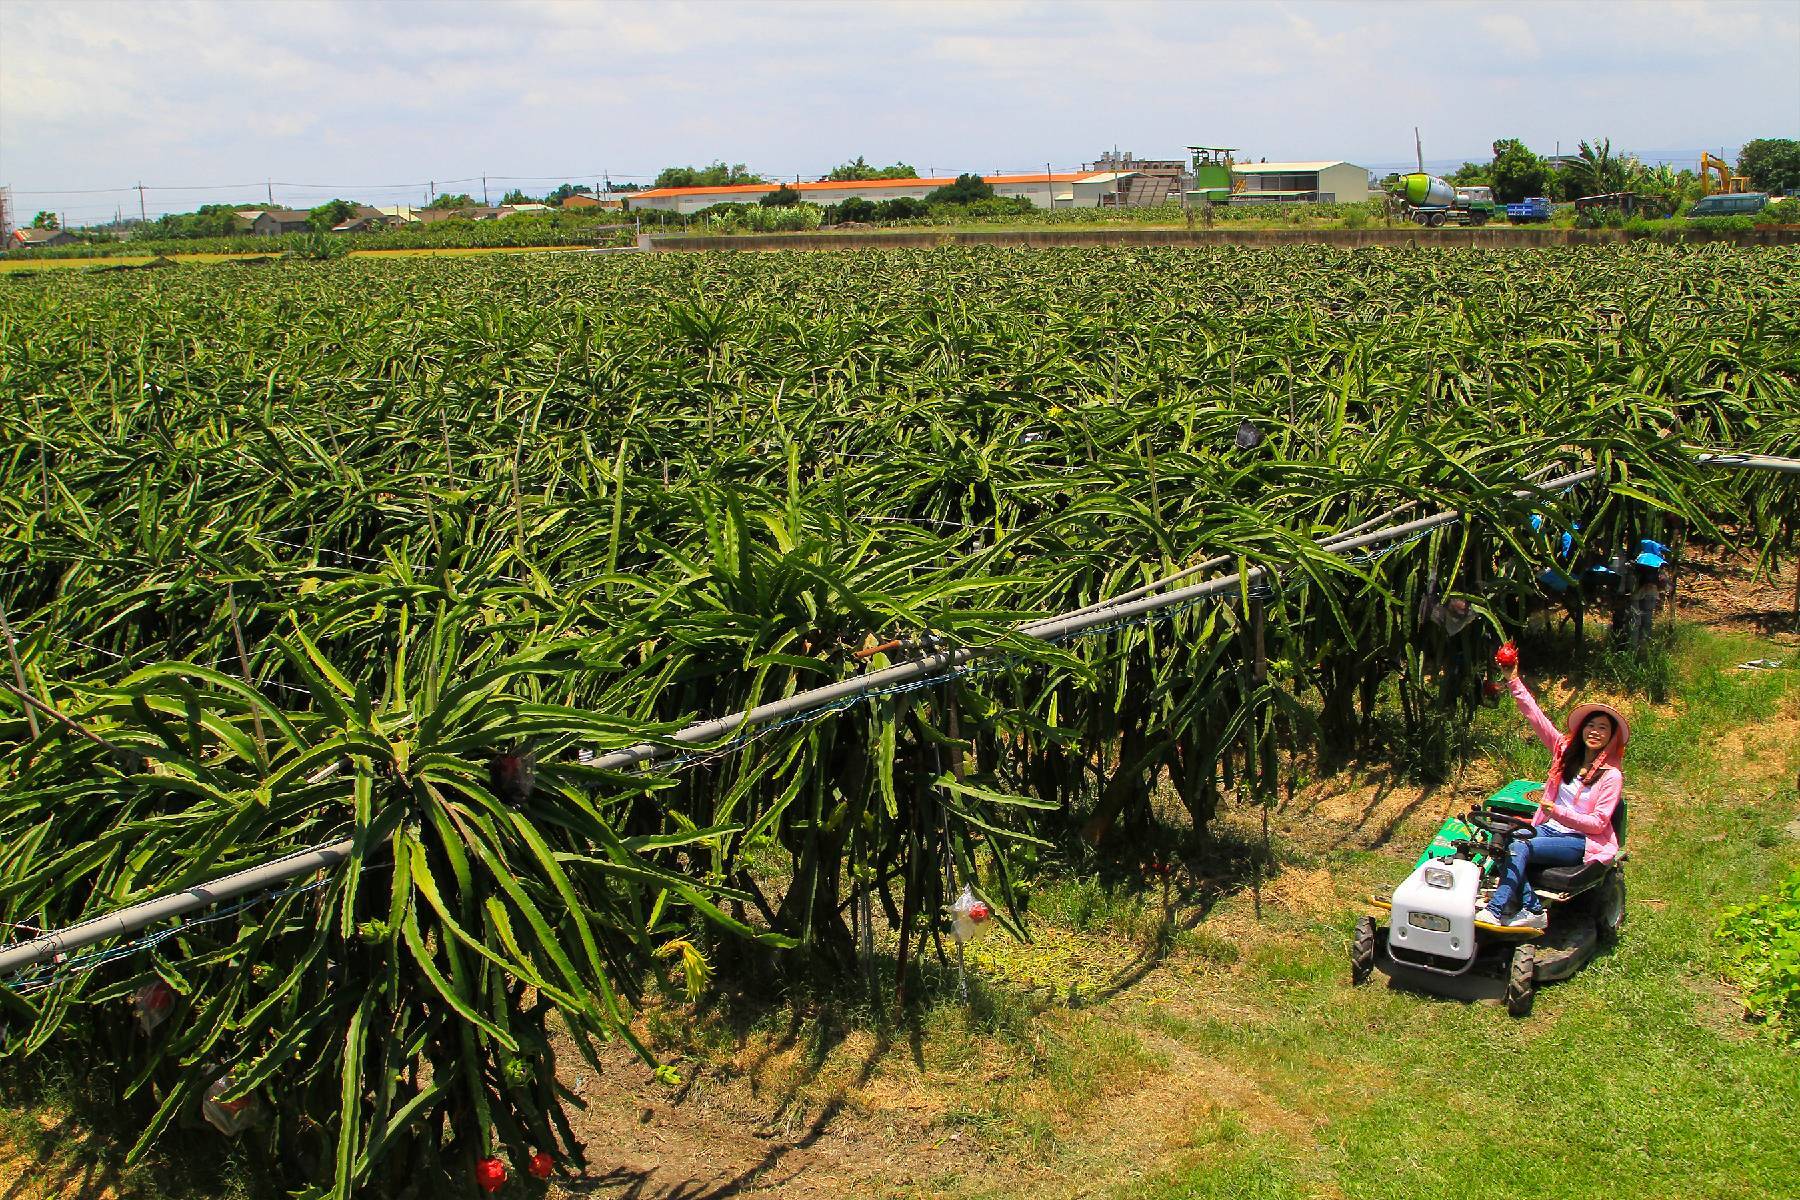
{"x":1434,"y":916}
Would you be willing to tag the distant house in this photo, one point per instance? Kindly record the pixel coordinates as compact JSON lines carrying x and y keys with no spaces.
{"x":368,"y":219}
{"x":269,"y":222}
{"x":471,"y":212}
{"x":513,"y":210}
{"x":31,"y":239}
{"x":583,"y":200}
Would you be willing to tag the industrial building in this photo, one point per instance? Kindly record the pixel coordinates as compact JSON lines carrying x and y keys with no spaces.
{"x":1082,"y":189}
{"x":1148,"y":181}
{"x":1299,"y":182}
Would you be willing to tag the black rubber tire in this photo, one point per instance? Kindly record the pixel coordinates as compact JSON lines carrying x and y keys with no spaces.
{"x":1609,"y":907}
{"x":1521,"y":981}
{"x":1362,"y":952}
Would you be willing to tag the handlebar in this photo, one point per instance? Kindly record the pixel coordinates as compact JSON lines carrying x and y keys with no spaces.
{"x":1497,"y":824}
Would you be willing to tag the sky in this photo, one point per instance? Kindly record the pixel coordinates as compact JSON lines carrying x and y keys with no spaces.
{"x":374,"y":101}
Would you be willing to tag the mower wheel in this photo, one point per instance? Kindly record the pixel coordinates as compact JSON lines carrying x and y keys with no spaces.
{"x":1521,"y":981}
{"x":1362,"y":952}
{"x":1609,"y":912}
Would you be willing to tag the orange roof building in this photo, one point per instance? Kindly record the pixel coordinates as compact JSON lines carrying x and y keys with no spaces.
{"x":1084,"y":189}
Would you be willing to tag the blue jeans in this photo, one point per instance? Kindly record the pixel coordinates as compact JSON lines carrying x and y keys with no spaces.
{"x":1545,"y":850}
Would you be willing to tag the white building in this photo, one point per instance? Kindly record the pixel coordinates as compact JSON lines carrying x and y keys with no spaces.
{"x":1306,"y":182}
{"x":1081,"y":189}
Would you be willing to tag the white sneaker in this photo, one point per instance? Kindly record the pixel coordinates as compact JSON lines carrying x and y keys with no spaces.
{"x":1529,"y":920}
{"x":1488,"y":916}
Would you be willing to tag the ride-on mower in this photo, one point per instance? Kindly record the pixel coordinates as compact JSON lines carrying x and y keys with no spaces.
{"x":1433,"y":938}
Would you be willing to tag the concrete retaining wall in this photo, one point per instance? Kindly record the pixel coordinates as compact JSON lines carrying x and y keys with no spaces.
{"x":897,"y":239}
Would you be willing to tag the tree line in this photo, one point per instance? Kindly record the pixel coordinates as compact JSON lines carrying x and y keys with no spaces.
{"x":1516,"y":172}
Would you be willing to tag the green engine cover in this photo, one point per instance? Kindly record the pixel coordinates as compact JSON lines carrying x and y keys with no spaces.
{"x":1510,"y":799}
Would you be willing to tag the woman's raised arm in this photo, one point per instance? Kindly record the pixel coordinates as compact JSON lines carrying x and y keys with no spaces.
{"x":1534,"y":716}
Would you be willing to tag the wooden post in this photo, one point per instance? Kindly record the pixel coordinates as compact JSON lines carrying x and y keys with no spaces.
{"x":449,"y":463}
{"x":33,"y":702}
{"x":12,"y":652}
{"x":1259,"y":785}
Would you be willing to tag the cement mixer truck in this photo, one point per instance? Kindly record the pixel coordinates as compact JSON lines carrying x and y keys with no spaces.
{"x":1432,"y":201}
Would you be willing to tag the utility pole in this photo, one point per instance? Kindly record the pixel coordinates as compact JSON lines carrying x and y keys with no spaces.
{"x":271,"y":184}
{"x":143,"y":217}
{"x":1419,"y":149}
{"x":430,"y":192}
{"x":1049,"y":188}
{"x":484,"y":194}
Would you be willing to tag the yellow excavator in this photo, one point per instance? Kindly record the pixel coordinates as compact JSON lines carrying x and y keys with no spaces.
{"x":1728,"y":182}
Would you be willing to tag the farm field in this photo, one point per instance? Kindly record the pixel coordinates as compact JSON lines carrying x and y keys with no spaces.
{"x":400,"y":551}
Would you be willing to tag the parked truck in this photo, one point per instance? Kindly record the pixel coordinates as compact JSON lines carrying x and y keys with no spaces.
{"x":1433,"y":202}
{"x":1530,"y":211}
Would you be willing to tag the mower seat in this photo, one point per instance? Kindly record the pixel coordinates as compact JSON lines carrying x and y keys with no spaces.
{"x":1581,"y":876}
{"x":1567,"y":880}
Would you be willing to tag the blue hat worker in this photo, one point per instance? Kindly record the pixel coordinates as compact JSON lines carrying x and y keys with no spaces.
{"x":1651,"y":554}
{"x":1554,"y":579}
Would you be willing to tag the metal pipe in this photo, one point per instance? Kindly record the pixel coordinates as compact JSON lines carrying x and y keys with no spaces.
{"x":137,"y":916}
{"x":1755,"y":462}
{"x":134,"y":917}
{"x":1327,"y":543}
{"x":316,"y":858}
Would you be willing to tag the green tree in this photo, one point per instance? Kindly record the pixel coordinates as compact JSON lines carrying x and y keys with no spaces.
{"x":1517,"y":172}
{"x":517,"y":197}
{"x":782,"y":197}
{"x":446,"y":200}
{"x":1597,"y":171}
{"x":330,"y":214}
{"x":856,"y":209}
{"x":1772,"y":164}
{"x":45,"y":220}
{"x":1664,"y":188}
{"x":565,"y":190}
{"x":858,"y":170}
{"x":717,"y":174}
{"x":900,"y":208}
{"x":966,"y":190}
{"x":1469,"y":175}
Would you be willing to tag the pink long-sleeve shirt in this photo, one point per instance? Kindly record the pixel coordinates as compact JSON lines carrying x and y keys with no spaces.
{"x":1591,"y":811}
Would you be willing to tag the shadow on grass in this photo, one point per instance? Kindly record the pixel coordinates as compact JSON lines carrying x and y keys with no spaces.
{"x":71,"y":1129}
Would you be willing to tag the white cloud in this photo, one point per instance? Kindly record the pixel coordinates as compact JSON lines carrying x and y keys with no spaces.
{"x":1512,"y":33}
{"x":186,"y":91}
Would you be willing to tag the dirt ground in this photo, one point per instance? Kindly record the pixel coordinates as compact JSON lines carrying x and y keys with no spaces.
{"x":1721,"y":590}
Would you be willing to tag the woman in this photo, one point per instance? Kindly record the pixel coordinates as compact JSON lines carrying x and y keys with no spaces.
{"x":1574,"y":820}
